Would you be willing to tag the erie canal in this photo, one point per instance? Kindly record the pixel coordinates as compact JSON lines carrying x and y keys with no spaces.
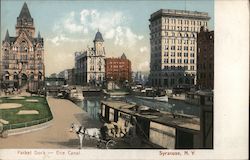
{"x":92,"y":104}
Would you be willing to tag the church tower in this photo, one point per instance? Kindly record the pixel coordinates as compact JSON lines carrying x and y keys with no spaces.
{"x":25,"y":22}
{"x":99,"y":44}
{"x":23,"y":54}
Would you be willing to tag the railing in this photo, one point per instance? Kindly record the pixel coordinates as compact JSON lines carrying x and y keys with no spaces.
{"x":26,"y":124}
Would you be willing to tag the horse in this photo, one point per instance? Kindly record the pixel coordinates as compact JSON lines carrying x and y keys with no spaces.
{"x":93,"y":133}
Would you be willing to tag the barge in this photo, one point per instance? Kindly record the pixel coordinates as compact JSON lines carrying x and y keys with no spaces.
{"x":162,"y":129}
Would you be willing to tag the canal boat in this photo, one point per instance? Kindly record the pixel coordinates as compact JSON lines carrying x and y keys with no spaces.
{"x":157,"y":128}
{"x":161,"y":99}
{"x":75,"y":95}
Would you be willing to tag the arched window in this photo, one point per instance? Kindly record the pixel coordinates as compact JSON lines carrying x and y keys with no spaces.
{"x":23,"y":47}
{"x":15,"y":76}
{"x":40,"y":76}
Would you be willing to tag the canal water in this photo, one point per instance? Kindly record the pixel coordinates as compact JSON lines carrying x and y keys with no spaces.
{"x":92,"y":104}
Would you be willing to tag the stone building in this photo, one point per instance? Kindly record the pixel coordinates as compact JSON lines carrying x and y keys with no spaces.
{"x":205,"y":59}
{"x":173,"y":40}
{"x":90,"y":64}
{"x":118,"y":69}
{"x":23,"y":54}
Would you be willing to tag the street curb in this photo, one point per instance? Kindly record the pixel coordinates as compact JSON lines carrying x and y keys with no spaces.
{"x":29,"y":129}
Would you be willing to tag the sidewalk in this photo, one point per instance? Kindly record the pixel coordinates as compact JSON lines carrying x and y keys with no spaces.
{"x":57,"y":136}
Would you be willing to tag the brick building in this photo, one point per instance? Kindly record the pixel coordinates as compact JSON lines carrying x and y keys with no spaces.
{"x":118,"y":69}
{"x":205,"y":59}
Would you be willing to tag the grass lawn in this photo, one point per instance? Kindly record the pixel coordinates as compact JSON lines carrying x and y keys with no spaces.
{"x":13,"y":118}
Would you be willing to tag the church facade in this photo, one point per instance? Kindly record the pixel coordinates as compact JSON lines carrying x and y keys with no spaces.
{"x":23,"y":54}
{"x":90,"y":64}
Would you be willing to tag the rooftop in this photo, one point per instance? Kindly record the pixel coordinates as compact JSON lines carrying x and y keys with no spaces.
{"x":179,"y":121}
{"x":25,"y":13}
{"x":98,"y":37}
{"x":179,"y":13}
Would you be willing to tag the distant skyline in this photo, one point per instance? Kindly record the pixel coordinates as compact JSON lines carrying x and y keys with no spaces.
{"x":69,"y":26}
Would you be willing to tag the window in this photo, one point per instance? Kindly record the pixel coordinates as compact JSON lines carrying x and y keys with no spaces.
{"x":173,"y":41}
{"x":179,"y":41}
{"x":185,"y":54}
{"x":192,"y":61}
{"x":179,"y":61}
{"x":172,"y":60}
{"x":179,"y":54}
{"x":165,"y":60}
{"x":191,"y":54}
{"x":185,"y":48}
{"x":186,"y":61}
{"x":172,"y":47}
{"x":172,"y":54}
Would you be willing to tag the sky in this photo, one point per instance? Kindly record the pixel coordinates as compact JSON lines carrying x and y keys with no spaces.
{"x":70,"y":26}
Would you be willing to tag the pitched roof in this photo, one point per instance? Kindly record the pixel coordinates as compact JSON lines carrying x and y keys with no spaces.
{"x":123,"y":56}
{"x":39,"y":35}
{"x":25,"y":12}
{"x":7,"y":36}
{"x":98,"y":37}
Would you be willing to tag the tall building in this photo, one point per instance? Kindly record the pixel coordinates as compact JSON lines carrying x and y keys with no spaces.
{"x":205,"y":59}
{"x":173,"y":40}
{"x":23,"y":55}
{"x":118,"y":69}
{"x":90,"y":64}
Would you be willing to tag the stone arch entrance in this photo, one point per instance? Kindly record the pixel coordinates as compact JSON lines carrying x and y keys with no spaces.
{"x":6,"y":76}
{"x":24,"y":79}
{"x":31,"y":76}
{"x":15,"y":78}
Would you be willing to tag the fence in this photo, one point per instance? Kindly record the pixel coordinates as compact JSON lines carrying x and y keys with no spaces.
{"x":26,"y":124}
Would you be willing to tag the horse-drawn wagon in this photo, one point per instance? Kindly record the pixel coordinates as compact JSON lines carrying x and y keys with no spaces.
{"x":97,"y":134}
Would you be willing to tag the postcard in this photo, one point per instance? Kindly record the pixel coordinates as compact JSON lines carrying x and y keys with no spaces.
{"x":124,"y":79}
